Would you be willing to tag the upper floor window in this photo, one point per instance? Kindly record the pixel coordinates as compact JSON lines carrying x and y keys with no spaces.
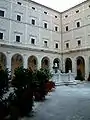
{"x":1,"y":35}
{"x":33,"y":8}
{"x":18,"y":17}
{"x":79,"y":42}
{"x":56,"y":45}
{"x":17,"y":38}
{"x":89,"y":6}
{"x":19,"y":3}
{"x":45,"y":12}
{"x":77,"y":11}
{"x":45,"y":25}
{"x":45,"y":43}
{"x":32,"y":41}
{"x":55,"y":16}
{"x":56,"y":28}
{"x":66,"y":16}
{"x":33,"y":22}
{"x":1,"y":13}
{"x":66,"y":28}
{"x":78,"y":24}
{"x":67,"y":45}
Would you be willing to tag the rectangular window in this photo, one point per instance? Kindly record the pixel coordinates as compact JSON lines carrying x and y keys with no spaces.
{"x":18,"y":17}
{"x":55,"y":16}
{"x":78,"y":24}
{"x":33,"y":8}
{"x":45,"y":12}
{"x":56,"y":28}
{"x":77,"y":11}
{"x":17,"y":38}
{"x":33,"y":22}
{"x":67,"y":45}
{"x":1,"y":13}
{"x":66,"y":28}
{"x":89,"y":6}
{"x":56,"y":45}
{"x":45,"y":43}
{"x":1,"y":35}
{"x":19,"y":3}
{"x":79,"y":42}
{"x":66,"y":16}
{"x":32,"y":41}
{"x":45,"y":25}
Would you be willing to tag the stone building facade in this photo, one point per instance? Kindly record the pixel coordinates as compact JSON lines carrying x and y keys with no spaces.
{"x":33,"y":35}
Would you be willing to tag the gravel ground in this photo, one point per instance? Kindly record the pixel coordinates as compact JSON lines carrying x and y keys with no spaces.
{"x":65,"y":103}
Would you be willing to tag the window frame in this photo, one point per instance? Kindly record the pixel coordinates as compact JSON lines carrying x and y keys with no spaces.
{"x":1,"y":35}
{"x":32,"y":41}
{"x":18,"y":17}
{"x":3,"y":13}
{"x":18,"y":40}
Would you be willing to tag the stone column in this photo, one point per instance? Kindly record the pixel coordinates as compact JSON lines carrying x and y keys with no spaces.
{"x":9,"y":57}
{"x":39,"y":62}
{"x":25,"y":61}
{"x":51,"y":64}
{"x":86,"y":67}
{"x":74,"y":66}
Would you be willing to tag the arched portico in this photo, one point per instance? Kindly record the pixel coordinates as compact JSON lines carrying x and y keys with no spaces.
{"x":57,"y":62}
{"x":68,"y":65}
{"x":16,"y":61}
{"x":45,"y":62}
{"x":81,"y":65}
{"x":3,"y":60}
{"x":32,"y":63}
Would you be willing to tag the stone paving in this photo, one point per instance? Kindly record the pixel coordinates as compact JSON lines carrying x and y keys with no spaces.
{"x":65,"y":103}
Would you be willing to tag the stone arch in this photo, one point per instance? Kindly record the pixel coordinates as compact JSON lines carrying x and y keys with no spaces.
{"x":57,"y":62}
{"x":32,"y":63}
{"x":45,"y":62}
{"x":16,"y":61}
{"x":68,"y":65}
{"x":81,"y":65}
{"x":3,"y":60}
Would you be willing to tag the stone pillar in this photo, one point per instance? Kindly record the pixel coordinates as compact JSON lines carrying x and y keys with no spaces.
{"x":86,"y":67}
{"x":74,"y":66}
{"x":39,"y":62}
{"x":51,"y":64}
{"x":25,"y":61}
{"x":9,"y":57}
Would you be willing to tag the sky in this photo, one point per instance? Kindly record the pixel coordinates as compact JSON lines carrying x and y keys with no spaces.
{"x":59,"y":5}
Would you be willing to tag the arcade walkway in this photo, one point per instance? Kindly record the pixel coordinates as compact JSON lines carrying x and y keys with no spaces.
{"x":65,"y":103}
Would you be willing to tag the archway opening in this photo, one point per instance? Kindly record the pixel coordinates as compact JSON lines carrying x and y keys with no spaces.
{"x":45,"y":63}
{"x":56,"y":63}
{"x":16,"y":61}
{"x":2,"y":61}
{"x":32,"y":63}
{"x":81,"y":65}
{"x":68,"y":65}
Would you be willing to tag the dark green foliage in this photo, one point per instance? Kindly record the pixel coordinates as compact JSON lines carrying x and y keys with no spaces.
{"x":23,"y":98}
{"x":41,"y":77}
{"x":79,"y":76}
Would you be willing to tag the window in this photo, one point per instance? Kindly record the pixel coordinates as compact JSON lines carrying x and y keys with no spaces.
{"x":1,"y":13}
{"x":89,"y":6}
{"x":66,"y":16}
{"x":19,"y":3}
{"x":66,"y":28}
{"x":45,"y":12}
{"x":33,"y":8}
{"x":45,"y":43}
{"x":18,"y":17}
{"x":56,"y":28}
{"x":33,"y":22}
{"x":77,"y":11}
{"x":55,"y":16}
{"x":17,"y":38}
{"x":1,"y":35}
{"x":78,"y":24}
{"x":45,"y":25}
{"x":56,"y":45}
{"x":67,"y":45}
{"x":32,"y":41}
{"x":79,"y":42}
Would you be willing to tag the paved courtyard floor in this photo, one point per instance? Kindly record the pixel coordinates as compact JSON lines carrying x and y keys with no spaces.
{"x":65,"y":103}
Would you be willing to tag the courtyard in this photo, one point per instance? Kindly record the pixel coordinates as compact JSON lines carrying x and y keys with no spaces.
{"x":65,"y":103}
